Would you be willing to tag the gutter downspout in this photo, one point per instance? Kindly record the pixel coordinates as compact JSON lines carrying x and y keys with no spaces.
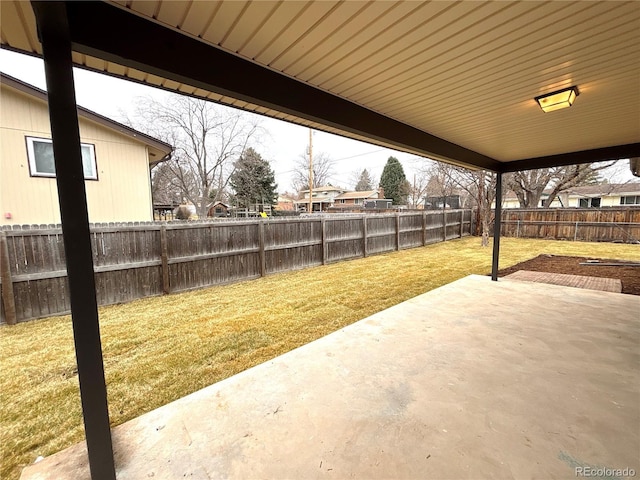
{"x":151,"y":165}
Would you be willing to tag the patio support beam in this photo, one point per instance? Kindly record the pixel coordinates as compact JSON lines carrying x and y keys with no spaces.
{"x":53,"y":30}
{"x":497,"y":226}
{"x":574,"y":158}
{"x":150,"y":47}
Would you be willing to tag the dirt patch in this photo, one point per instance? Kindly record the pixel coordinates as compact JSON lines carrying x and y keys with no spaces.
{"x":629,"y":276}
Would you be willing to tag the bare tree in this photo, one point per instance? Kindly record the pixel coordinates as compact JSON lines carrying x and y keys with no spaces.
{"x":322,"y":171}
{"x":420,"y":183}
{"x":440,"y":182}
{"x":480,"y":185}
{"x":529,"y":185}
{"x":164,"y":188}
{"x":207,"y":139}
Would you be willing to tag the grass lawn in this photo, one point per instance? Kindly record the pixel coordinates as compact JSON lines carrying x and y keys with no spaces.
{"x":160,"y":349}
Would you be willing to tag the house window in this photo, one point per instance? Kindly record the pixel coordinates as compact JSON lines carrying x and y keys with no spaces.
{"x":357,"y":201}
{"x":590,"y":202}
{"x":41,"y":164}
{"x":630,"y":200}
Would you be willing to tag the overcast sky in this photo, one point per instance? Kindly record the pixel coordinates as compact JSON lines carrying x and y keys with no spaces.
{"x":284,"y":142}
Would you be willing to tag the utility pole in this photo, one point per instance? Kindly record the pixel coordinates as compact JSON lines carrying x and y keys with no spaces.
{"x":310,"y":208}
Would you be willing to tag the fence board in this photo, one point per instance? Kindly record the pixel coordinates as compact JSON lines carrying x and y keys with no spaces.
{"x":293,"y":258}
{"x":8,"y":310}
{"x":339,"y":250}
{"x":608,"y":224}
{"x":434,"y":228}
{"x":140,"y":260}
{"x":410,"y":230}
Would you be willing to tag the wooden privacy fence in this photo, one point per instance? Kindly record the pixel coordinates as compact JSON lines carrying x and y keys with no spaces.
{"x":139,"y":260}
{"x":608,"y":224}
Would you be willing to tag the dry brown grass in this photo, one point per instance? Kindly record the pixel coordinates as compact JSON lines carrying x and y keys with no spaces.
{"x":159,"y":349}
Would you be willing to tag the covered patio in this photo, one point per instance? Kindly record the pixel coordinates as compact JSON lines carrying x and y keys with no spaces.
{"x":511,"y":380}
{"x":474,"y":379}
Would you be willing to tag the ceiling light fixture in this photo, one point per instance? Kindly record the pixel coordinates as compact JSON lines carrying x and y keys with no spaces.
{"x":557,"y":100}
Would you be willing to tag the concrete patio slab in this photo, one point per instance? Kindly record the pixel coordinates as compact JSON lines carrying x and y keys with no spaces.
{"x":576,"y":281}
{"x":476,"y":379}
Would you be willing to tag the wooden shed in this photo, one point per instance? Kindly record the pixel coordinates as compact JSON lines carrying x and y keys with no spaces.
{"x":218,"y":209}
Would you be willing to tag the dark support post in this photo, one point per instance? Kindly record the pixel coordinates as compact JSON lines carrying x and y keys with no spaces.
{"x":56,"y":47}
{"x":497,"y":226}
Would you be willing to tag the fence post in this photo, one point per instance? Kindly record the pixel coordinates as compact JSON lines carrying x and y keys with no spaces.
{"x":575,"y":234}
{"x":8,"y":300}
{"x":364,"y":235}
{"x":323,"y":239}
{"x":164,"y":257}
{"x":444,"y":224}
{"x":263,"y":262}
{"x":398,"y":231}
{"x":424,"y":228}
{"x":473,"y":222}
{"x":461,"y":222}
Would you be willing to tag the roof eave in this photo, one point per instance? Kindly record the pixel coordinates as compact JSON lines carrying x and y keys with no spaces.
{"x":83,"y":112}
{"x":92,"y":34}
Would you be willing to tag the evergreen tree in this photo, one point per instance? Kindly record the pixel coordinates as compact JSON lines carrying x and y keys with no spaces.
{"x":364,"y":183}
{"x":394,"y":182}
{"x":253,"y":180}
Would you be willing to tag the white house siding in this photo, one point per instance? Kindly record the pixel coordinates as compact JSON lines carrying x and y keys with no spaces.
{"x":121,"y":193}
{"x":607,"y":200}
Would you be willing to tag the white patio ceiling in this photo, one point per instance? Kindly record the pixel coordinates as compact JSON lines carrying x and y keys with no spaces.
{"x":466,"y":72}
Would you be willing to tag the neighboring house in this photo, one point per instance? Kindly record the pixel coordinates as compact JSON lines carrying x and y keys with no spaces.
{"x":285,"y":203}
{"x":321,"y":198}
{"x":336,"y":200}
{"x":588,"y":196}
{"x":349,"y":199}
{"x":116,"y":162}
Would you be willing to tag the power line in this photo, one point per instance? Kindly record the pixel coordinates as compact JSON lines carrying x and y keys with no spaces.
{"x":334,"y":160}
